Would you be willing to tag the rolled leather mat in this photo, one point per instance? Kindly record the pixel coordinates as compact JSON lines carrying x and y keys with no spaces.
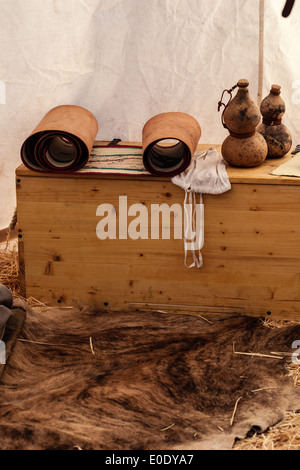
{"x":6,"y":297}
{"x":169,"y":142}
{"x":62,"y":141}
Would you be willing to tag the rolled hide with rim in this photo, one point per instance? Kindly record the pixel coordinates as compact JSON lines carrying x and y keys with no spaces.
{"x":169,"y":142}
{"x":62,"y":141}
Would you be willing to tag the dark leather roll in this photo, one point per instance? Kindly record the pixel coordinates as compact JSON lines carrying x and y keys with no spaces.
{"x":6,"y":297}
{"x":5,"y":314}
{"x":62,"y":141}
{"x":169,"y":142}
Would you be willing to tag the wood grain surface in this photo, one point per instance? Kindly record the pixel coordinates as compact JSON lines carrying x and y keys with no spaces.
{"x":251,"y":254}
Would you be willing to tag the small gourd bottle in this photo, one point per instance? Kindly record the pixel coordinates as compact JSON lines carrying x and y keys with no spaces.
{"x":276,"y":134}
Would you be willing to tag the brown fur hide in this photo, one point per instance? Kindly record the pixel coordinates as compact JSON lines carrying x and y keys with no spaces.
{"x":142,"y":380}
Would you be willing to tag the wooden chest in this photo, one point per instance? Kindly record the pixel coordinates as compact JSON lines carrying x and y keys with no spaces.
{"x":251,"y":253}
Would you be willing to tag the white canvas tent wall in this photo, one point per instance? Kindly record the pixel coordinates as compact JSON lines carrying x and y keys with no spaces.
{"x":127,"y":60}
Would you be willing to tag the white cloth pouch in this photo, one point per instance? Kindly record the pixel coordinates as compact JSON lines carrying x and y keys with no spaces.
{"x":206,"y":174}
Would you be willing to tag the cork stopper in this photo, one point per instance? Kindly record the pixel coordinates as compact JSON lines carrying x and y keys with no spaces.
{"x":243,"y":83}
{"x":276,"y":89}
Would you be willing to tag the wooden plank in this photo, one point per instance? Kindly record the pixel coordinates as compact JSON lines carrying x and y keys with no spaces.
{"x":258,"y":175}
{"x":118,"y":296}
{"x":63,"y":263}
{"x":237,"y":224}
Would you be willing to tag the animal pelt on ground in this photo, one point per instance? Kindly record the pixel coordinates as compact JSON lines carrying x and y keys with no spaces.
{"x":88,"y":379}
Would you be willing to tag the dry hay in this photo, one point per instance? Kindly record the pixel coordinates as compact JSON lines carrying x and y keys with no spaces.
{"x":9,"y":269}
{"x":283,"y":436}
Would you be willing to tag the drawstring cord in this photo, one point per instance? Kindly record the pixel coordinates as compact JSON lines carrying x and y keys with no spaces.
{"x":190,"y":209}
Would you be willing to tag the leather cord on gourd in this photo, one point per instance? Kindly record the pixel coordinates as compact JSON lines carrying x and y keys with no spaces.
{"x":270,"y":122}
{"x":242,"y":136}
{"x":220,"y":103}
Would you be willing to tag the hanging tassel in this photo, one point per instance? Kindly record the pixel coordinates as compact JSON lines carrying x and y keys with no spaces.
{"x":191,"y":229}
